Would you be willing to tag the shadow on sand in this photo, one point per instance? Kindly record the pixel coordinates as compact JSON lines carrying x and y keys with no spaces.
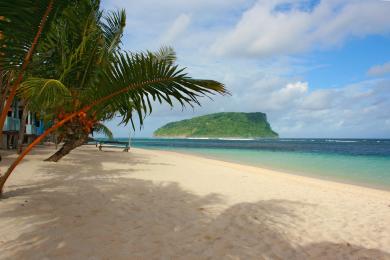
{"x":82,"y":212}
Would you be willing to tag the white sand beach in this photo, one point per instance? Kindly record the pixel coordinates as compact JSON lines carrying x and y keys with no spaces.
{"x":163,"y":205}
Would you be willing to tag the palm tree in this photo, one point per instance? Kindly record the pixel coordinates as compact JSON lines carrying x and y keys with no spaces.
{"x":79,"y":47}
{"x":22,"y":24}
{"x":90,"y":78}
{"x":6,"y":77}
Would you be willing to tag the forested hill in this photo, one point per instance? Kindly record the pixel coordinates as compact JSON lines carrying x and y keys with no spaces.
{"x":220,"y":125}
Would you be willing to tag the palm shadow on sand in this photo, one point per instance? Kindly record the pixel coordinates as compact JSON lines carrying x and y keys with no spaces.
{"x":92,"y":215}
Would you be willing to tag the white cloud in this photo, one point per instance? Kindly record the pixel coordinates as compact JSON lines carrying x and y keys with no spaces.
{"x":276,"y":85}
{"x":176,"y":29}
{"x":358,"y":110}
{"x":318,"y":100}
{"x":295,"y":110}
{"x":263,"y":30}
{"x":293,"y":89}
{"x":379,"y":70}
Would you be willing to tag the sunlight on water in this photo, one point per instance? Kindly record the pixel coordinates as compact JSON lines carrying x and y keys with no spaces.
{"x":364,"y":170}
{"x":359,"y":161}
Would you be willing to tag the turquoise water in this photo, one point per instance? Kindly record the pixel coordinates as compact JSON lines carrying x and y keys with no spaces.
{"x":357,"y":161}
{"x":363,"y":170}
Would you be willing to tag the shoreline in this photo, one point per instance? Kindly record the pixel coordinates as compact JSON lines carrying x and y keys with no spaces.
{"x":281,"y":171}
{"x":290,"y":175}
{"x":152,"y":204}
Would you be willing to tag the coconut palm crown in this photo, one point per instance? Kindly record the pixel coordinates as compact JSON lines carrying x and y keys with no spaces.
{"x":82,"y":76}
{"x":82,"y":62}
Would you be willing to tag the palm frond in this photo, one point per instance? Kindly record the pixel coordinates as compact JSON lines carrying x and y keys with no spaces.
{"x":135,"y":81}
{"x":165,"y":53}
{"x":22,"y":24}
{"x":113,"y":25}
{"x":100,"y":128}
{"x":66,"y":46}
{"x":44,"y":94}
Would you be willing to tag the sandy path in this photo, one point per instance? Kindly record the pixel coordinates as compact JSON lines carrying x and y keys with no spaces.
{"x":162,"y":205}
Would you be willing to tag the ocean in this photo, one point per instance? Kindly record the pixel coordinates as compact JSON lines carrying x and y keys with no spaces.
{"x":363,"y":162}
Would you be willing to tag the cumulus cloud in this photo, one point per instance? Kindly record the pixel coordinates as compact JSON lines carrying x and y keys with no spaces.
{"x":284,"y":27}
{"x":148,"y":21}
{"x":379,"y":70}
{"x":357,"y":110}
{"x":292,"y":90}
{"x":295,"y":109}
{"x":276,"y":84}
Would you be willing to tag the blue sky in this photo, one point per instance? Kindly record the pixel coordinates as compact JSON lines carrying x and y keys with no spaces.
{"x":317,"y":68}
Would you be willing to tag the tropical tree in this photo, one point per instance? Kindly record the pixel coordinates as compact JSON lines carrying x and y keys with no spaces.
{"x":138,"y":77}
{"x":6,"y":77}
{"x":90,"y":79}
{"x":22,"y":24}
{"x":78,"y":48}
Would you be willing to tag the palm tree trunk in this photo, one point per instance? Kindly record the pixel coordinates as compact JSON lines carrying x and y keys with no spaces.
{"x":8,"y":172}
{"x":6,"y":85}
{"x":4,"y":93}
{"x":22,"y":129}
{"x":68,"y":146}
{"x":26,"y":61}
{"x":4,"y":178}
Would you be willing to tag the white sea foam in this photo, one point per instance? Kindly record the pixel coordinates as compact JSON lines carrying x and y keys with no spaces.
{"x":341,"y":141}
{"x":236,"y":139}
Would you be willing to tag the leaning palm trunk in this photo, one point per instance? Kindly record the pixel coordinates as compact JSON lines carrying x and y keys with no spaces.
{"x":5,"y":85}
{"x":5,"y":176}
{"x":67,"y":147}
{"x":160,"y":80}
{"x":22,"y":129}
{"x":4,"y":94}
{"x":75,"y":136}
{"x":12,"y":90}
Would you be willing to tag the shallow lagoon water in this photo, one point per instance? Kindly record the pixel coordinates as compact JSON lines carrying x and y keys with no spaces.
{"x":360,"y":161}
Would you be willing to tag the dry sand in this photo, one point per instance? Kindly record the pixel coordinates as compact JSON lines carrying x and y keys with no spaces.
{"x":163,"y":205}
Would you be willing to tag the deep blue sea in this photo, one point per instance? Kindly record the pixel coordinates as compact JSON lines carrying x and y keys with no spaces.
{"x":360,"y":161}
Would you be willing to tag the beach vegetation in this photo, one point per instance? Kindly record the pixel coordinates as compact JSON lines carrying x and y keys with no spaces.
{"x":22,"y":25}
{"x":220,"y":125}
{"x":85,"y":77}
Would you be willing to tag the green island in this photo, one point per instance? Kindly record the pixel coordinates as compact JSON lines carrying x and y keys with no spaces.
{"x":220,"y":125}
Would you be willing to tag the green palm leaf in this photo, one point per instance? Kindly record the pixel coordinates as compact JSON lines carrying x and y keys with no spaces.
{"x":135,"y":81}
{"x":113,"y":25}
{"x":165,"y":53}
{"x":20,"y":22}
{"x":100,"y":128}
{"x":44,"y":94}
